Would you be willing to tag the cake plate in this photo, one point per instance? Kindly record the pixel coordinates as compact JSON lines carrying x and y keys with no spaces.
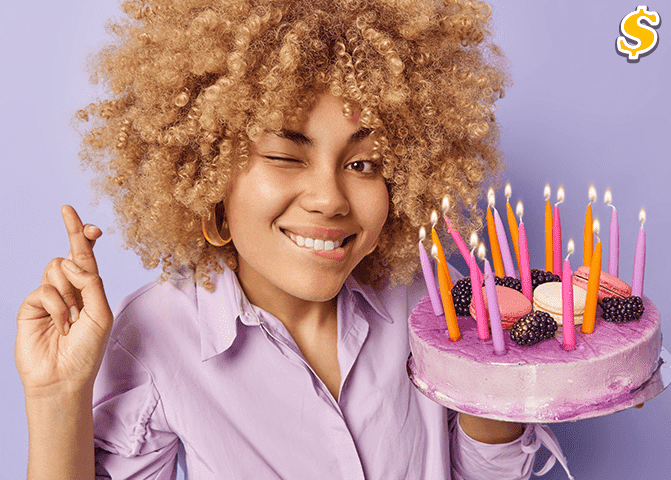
{"x":660,"y":379}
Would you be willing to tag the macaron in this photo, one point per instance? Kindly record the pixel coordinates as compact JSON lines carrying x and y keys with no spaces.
{"x":548,"y":298}
{"x":513,"y":305}
{"x":609,"y":286}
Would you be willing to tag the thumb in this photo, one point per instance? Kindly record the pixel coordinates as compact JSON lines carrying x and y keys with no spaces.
{"x":91,"y":289}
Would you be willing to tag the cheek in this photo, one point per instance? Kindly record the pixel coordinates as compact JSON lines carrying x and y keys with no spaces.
{"x":375,"y":208}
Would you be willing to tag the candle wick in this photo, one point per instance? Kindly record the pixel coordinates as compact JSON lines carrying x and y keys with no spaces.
{"x":560,"y":201}
{"x":597,"y":237}
{"x":611,"y":205}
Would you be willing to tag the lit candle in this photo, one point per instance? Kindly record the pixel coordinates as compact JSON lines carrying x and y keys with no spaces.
{"x":430,"y":280}
{"x":589,"y":317}
{"x":461,"y":245}
{"x":548,"y":228}
{"x":476,"y":288}
{"x":639,"y":259}
{"x":446,"y":296}
{"x":441,"y":255}
{"x":556,"y":235}
{"x":525,"y":270}
{"x":568,"y":320}
{"x":588,"y":243}
{"x":613,"y":237}
{"x":512,"y":224}
{"x":493,"y":306}
{"x":493,"y":239}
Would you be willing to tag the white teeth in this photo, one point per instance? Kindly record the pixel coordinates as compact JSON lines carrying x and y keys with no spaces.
{"x":317,"y":244}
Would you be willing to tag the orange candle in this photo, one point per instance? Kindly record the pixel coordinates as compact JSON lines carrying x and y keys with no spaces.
{"x":548,"y":228}
{"x":440,"y":254}
{"x":493,"y":239}
{"x":589,"y":317}
{"x":588,"y":244}
{"x":445,"y":284}
{"x":512,"y":224}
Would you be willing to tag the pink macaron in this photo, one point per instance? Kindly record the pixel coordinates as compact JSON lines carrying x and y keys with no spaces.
{"x":512,"y":304}
{"x":609,"y":286}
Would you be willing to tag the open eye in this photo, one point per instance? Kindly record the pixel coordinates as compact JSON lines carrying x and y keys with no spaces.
{"x":363,"y":166}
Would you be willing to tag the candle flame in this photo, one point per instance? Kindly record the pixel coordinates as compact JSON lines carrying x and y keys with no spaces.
{"x":596,"y":226}
{"x":473,"y":240}
{"x":508,"y":191}
{"x":434,"y":218}
{"x":445,"y":205}
{"x":547,"y":192}
{"x":570,"y":248}
{"x":434,"y":251}
{"x":560,"y":195}
{"x":491,"y":198}
{"x":608,"y":197}
{"x":641,"y":216}
{"x":422,"y":234}
{"x":519,"y":210}
{"x":481,"y":251}
{"x":592,"y":194}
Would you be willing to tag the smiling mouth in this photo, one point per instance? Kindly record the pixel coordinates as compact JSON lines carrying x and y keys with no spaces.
{"x":316,"y":243}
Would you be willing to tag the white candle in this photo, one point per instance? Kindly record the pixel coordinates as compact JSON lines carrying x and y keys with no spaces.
{"x":613,"y":237}
{"x":639,"y":259}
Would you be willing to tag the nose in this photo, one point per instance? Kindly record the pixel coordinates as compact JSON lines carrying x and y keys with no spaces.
{"x":323,"y":192}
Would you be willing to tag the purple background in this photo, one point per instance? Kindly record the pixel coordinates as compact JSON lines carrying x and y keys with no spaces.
{"x":578,"y":113}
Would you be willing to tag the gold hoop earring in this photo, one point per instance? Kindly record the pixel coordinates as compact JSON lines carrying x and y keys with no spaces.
{"x":213,"y":233}
{"x":372,"y":249}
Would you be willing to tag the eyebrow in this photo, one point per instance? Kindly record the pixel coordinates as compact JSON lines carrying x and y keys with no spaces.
{"x":302,"y":139}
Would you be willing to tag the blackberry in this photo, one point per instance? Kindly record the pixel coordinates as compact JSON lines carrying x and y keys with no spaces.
{"x":619,"y":310}
{"x":539,"y":277}
{"x":533,"y":328}
{"x":510,"y":282}
{"x":461,"y":296}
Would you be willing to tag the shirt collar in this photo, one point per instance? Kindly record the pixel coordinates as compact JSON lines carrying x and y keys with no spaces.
{"x":220,"y":310}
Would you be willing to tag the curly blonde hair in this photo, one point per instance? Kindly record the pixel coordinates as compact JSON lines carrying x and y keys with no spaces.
{"x":192,"y":82}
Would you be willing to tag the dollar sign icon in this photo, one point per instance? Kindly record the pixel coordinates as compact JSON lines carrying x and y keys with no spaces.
{"x":633,"y":28}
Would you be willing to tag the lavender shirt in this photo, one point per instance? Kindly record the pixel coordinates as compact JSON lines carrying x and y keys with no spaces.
{"x":222,"y":382}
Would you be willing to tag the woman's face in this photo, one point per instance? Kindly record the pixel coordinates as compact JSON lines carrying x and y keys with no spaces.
{"x":308,"y":207}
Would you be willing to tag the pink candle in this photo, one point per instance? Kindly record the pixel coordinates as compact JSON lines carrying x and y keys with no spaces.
{"x":613,"y":238}
{"x":639,"y":259}
{"x":494,"y":312}
{"x":556,"y":235}
{"x":525,"y":270}
{"x":429,"y":278}
{"x":476,"y":288}
{"x":568,"y":320}
{"x":508,"y":265}
{"x":463,"y":249}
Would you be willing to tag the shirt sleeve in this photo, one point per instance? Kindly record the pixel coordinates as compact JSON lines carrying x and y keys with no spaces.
{"x":473,"y":460}
{"x":131,"y":435}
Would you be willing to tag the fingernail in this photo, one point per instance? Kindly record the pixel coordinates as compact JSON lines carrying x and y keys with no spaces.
{"x":66,"y":328}
{"x":74,"y":314}
{"x":72,"y":266}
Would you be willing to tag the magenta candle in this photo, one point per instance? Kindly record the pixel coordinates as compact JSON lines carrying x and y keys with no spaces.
{"x":476,"y":289}
{"x":613,"y":238}
{"x":463,"y":249}
{"x":556,"y":235}
{"x":494,"y":312}
{"x":508,"y":265}
{"x":639,"y":259}
{"x":568,"y":320}
{"x":525,"y":270}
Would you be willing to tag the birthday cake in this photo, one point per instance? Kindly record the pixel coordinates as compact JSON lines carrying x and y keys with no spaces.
{"x":526,"y":364}
{"x":542,"y":383}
